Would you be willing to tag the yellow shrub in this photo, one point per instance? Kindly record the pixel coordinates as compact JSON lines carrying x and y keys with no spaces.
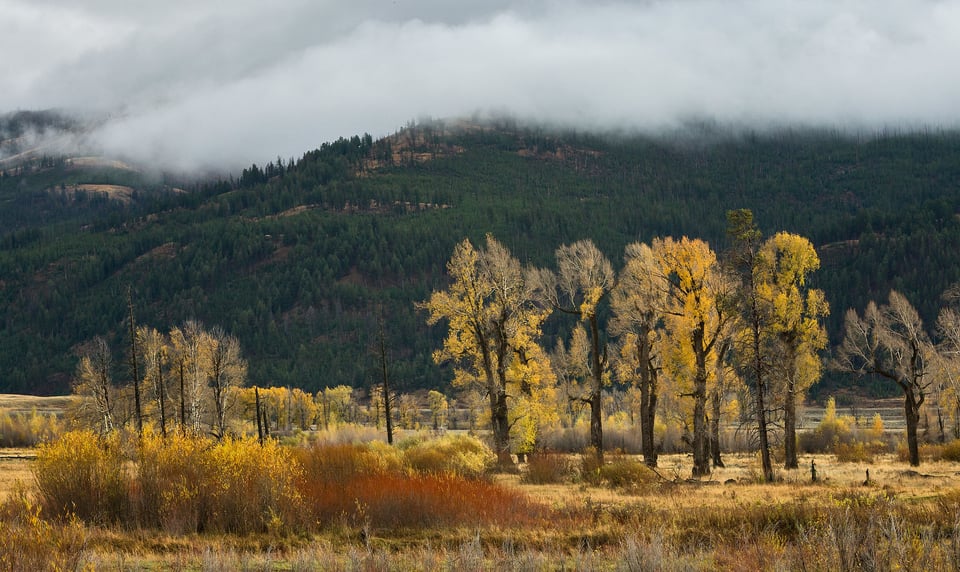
{"x":458,"y":454}
{"x":253,"y":488}
{"x":173,"y":475}
{"x":853,"y":453}
{"x":83,"y":474}
{"x":28,"y":542}
{"x":951,"y":451}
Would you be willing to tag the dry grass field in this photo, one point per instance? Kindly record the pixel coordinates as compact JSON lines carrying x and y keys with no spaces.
{"x":370,"y":507}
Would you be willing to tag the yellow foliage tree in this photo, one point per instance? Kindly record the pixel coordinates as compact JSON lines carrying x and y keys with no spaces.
{"x":492,"y":321}
{"x":696,"y":322}
{"x":793,"y":311}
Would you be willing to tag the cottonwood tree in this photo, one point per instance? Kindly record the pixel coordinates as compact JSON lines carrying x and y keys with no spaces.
{"x":793,"y":313}
{"x":639,"y":303}
{"x":437,"y":403}
{"x":492,"y":321}
{"x":94,"y":382}
{"x":696,"y":321}
{"x":584,"y":278}
{"x":890,"y":341}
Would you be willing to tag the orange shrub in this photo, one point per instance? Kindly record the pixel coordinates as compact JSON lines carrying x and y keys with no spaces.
{"x":393,"y":500}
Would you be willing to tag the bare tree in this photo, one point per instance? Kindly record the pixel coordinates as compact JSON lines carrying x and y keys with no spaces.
{"x":584,"y":278}
{"x":191,"y":347}
{"x":639,"y":303}
{"x":153,"y":346}
{"x":890,"y":341}
{"x":227,"y":370}
{"x":94,"y":382}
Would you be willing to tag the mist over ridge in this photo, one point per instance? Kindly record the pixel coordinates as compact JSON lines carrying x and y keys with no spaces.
{"x":222,"y":84}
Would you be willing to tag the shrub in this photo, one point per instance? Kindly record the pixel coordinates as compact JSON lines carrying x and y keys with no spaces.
{"x":461,"y":455}
{"x":27,"y":430}
{"x":951,"y":451}
{"x":172,"y":475}
{"x":82,"y":473}
{"x":853,"y":453}
{"x":626,"y":472}
{"x":252,"y":488}
{"x":547,"y":468}
{"x":343,"y":462}
{"x":28,"y":542}
{"x":393,"y":500}
{"x":831,"y":430}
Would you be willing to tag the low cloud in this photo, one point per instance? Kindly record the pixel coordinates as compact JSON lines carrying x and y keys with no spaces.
{"x":227,"y":83}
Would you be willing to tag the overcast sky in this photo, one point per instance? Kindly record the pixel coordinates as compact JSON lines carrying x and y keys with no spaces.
{"x":223,"y":83}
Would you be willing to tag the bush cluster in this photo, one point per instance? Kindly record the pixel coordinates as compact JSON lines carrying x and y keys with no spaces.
{"x":184,"y":484}
{"x":27,"y":429}
{"x":842,"y":436}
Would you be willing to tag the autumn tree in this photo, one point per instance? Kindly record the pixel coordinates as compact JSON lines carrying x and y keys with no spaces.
{"x":334,"y":404}
{"x":890,"y":341}
{"x":696,"y":320}
{"x":584,"y":278}
{"x":492,"y":321}
{"x":639,"y":303}
{"x":792,"y":312}
{"x":437,"y":403}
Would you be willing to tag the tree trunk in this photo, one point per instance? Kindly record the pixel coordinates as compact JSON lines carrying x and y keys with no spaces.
{"x":183,"y":405}
{"x":133,"y":364}
{"x":911,"y":411}
{"x":256,"y":395}
{"x":648,"y":415}
{"x":596,"y":393}
{"x":761,"y":406}
{"x":596,"y":425}
{"x":163,"y":398}
{"x":701,"y":456}
{"x":715,"y":403}
{"x":501,"y":427}
{"x":648,"y":400}
{"x":790,"y":429}
{"x":790,"y":413}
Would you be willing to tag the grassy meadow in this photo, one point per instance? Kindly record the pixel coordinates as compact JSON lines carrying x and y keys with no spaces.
{"x":435,"y":503}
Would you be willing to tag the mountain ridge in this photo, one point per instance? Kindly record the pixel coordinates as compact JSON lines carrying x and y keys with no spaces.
{"x":297,"y":257}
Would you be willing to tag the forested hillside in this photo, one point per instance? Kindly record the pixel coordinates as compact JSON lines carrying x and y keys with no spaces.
{"x":299,"y":259}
